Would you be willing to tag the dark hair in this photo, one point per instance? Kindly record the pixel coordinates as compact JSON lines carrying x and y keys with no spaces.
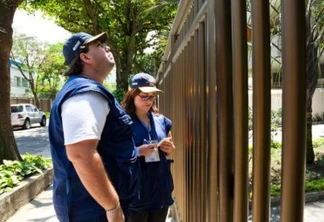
{"x":76,"y":66}
{"x":129,"y":105}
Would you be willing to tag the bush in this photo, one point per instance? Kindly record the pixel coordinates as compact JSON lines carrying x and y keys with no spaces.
{"x":119,"y":94}
{"x":318,"y":143}
{"x":13,"y":172}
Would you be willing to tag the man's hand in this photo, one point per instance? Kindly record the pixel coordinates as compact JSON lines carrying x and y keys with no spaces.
{"x":116,"y":215}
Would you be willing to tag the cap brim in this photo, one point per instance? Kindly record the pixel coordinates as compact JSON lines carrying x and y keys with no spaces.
{"x":148,"y":89}
{"x":102,"y":37}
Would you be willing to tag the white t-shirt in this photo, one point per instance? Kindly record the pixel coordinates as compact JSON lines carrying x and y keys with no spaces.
{"x":84,"y":117}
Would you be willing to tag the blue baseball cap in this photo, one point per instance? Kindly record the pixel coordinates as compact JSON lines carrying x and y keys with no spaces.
{"x":74,"y":45}
{"x":145,"y":82}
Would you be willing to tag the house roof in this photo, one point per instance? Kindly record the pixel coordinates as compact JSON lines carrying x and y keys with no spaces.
{"x":12,"y":62}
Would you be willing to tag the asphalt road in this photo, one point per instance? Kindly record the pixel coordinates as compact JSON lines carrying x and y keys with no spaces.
{"x":33,"y":140}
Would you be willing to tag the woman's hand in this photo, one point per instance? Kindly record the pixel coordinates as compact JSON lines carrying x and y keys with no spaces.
{"x":168,"y":147}
{"x":146,"y":149}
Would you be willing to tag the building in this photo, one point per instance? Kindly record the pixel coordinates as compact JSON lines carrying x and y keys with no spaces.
{"x":19,"y":85}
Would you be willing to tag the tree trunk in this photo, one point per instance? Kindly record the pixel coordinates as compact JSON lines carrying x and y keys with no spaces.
{"x":310,"y":156}
{"x":121,"y":76}
{"x":34,"y":92}
{"x":8,"y":146}
{"x":311,"y":79}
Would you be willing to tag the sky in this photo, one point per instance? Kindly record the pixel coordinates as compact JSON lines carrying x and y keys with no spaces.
{"x":36,"y":26}
{"x":44,"y":30}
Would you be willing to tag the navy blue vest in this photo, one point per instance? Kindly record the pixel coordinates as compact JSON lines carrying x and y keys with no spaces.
{"x":156,"y":178}
{"x":71,"y":200}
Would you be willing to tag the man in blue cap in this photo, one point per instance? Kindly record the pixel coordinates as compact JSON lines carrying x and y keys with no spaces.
{"x":94,"y":157}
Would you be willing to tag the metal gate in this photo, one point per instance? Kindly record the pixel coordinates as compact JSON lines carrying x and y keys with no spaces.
{"x":204,"y":76}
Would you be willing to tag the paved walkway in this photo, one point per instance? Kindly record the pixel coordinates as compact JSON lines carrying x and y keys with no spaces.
{"x":41,"y":210}
{"x":313,"y":212}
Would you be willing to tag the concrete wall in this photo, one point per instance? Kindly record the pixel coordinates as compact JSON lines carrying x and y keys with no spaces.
{"x":276,"y":100}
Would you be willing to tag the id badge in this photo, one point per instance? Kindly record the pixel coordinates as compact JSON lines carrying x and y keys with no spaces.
{"x":154,"y":156}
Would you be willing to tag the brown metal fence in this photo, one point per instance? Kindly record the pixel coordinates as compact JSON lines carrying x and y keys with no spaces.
{"x":45,"y":104}
{"x":204,"y":76}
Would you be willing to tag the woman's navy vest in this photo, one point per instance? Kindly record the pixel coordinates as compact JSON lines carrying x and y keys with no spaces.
{"x":156,"y":178}
{"x":116,"y":147}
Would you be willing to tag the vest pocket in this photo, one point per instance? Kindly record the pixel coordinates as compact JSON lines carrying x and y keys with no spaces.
{"x":126,"y":179}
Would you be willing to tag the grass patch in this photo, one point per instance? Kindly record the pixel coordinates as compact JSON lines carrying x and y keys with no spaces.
{"x":47,"y":114}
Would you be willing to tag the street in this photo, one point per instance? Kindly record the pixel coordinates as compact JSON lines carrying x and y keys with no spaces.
{"x":33,"y":140}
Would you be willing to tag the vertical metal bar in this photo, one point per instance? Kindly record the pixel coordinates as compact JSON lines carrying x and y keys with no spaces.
{"x":294,"y":123}
{"x":196,"y":118}
{"x":213,"y":188}
{"x":192,"y":130}
{"x":202,"y":112}
{"x":224,"y":107}
{"x":197,"y":125}
{"x":240,"y":74}
{"x":261,"y":109}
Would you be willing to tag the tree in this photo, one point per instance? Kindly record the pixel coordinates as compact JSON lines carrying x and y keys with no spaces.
{"x":128,"y":24}
{"x":8,"y":146}
{"x":314,"y":49}
{"x":31,"y":54}
{"x":50,"y":72}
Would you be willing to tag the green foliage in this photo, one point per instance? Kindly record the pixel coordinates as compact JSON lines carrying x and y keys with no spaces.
{"x":310,"y":186}
{"x":51,"y":72}
{"x":47,"y":114}
{"x":276,"y":116}
{"x":315,"y":185}
{"x":132,"y":26}
{"x":275,"y":145}
{"x":318,"y":143}
{"x":40,"y":63}
{"x":119,"y":94}
{"x":250,"y":122}
{"x":110,"y":86}
{"x":275,"y":189}
{"x":318,"y":117}
{"x":13,"y":172}
{"x":276,"y":119}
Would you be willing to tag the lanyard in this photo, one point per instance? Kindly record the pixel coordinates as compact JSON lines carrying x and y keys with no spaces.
{"x":147,"y":127}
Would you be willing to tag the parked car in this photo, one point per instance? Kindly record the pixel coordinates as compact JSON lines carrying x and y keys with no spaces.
{"x":24,"y":115}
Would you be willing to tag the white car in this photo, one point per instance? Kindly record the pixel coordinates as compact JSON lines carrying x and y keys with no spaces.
{"x":24,"y":115}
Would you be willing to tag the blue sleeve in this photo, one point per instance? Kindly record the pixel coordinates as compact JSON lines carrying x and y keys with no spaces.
{"x":168,"y":125}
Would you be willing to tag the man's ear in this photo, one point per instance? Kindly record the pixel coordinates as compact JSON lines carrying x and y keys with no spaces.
{"x":84,"y":57}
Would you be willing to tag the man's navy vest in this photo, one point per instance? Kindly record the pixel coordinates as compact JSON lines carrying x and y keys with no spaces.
{"x":116,"y":147}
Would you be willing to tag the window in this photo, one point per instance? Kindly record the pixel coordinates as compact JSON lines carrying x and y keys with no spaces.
{"x":16,"y":81}
{"x":16,"y":109}
{"x":24,"y":82}
{"x":29,"y":108}
{"x":20,"y":82}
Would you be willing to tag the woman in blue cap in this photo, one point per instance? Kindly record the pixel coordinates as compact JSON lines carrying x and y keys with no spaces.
{"x":150,"y":127}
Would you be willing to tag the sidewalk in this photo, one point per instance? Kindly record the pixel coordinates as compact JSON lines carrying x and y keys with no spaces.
{"x":41,"y":210}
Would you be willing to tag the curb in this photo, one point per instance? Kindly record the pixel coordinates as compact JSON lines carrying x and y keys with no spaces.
{"x":27,"y":190}
{"x":309,"y":197}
